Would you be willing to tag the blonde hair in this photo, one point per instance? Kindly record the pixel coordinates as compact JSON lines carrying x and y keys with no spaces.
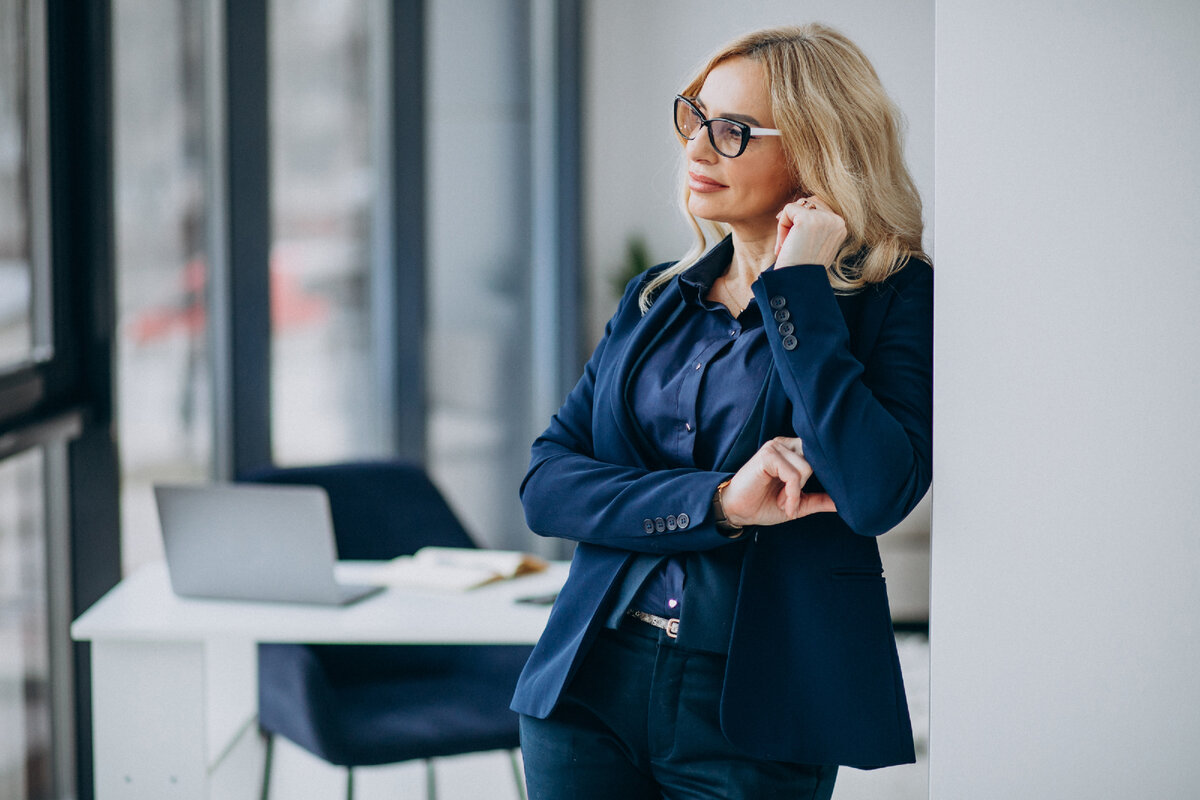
{"x":842,"y":142}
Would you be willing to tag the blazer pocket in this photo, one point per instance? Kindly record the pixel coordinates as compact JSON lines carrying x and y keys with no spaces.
{"x":858,"y":573}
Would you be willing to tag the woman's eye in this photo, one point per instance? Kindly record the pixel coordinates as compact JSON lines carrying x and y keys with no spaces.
{"x":730,"y":135}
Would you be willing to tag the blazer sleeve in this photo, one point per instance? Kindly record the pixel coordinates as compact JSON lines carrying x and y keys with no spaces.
{"x":569,"y":493}
{"x":866,"y":425}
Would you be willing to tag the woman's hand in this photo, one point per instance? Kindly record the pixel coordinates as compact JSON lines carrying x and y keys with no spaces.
{"x":768,"y":489}
{"x":808,"y":233}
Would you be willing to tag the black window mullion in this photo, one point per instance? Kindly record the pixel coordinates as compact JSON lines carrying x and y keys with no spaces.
{"x":240,"y":296}
{"x":79,"y":374}
{"x":406,"y":309}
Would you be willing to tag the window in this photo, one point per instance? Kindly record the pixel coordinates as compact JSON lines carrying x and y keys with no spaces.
{"x":160,"y":168}
{"x":16,"y":270}
{"x":36,"y":700}
{"x":24,"y":265}
{"x":323,"y":180}
{"x":26,"y":729}
{"x":480,"y":266}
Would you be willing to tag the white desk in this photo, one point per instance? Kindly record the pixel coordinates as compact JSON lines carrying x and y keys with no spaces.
{"x":174,"y":681}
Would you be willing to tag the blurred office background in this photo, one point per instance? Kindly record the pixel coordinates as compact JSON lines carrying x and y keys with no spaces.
{"x":297,"y":231}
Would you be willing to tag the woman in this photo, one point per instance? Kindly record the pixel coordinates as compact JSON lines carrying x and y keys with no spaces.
{"x":753,"y":417}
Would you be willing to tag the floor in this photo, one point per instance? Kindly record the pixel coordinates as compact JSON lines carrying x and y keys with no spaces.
{"x":489,"y":776}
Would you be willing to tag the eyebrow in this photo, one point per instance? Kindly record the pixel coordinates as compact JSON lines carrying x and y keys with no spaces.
{"x":746,"y":118}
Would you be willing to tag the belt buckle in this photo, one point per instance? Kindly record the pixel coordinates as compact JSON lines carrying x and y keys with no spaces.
{"x":672,"y":628}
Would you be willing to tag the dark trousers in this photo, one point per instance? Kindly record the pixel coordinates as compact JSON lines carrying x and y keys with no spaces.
{"x":640,"y":720}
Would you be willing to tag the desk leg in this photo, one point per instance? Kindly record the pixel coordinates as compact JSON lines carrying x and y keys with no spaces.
{"x":164,"y":717}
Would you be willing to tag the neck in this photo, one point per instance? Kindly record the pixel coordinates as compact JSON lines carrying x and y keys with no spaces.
{"x":751,"y":255}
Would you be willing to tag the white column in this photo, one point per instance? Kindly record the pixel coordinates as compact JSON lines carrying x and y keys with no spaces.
{"x":1065,"y":518}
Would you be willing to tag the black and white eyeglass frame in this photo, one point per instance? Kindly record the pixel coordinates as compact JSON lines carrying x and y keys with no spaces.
{"x":745,"y":132}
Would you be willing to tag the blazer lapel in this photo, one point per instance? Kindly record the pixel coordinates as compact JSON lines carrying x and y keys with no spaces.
{"x":750,"y":437}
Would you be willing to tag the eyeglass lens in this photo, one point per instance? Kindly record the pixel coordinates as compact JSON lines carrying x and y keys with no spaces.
{"x":727,"y":137}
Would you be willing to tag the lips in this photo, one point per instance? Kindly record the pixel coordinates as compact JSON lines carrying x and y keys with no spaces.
{"x":700,"y":183}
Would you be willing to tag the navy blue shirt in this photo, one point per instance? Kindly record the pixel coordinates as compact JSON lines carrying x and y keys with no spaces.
{"x":692,"y":394}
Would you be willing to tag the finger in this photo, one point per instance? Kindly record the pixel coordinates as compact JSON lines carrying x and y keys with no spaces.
{"x":793,"y":443}
{"x":782,"y":230}
{"x":788,"y":501}
{"x":816,"y":503}
{"x":793,"y":470}
{"x":792,"y":449}
{"x":790,"y":469}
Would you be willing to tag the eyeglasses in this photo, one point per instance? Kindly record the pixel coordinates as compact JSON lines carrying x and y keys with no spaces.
{"x":728,"y":136}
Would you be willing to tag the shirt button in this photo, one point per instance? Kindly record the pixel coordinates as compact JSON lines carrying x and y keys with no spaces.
{"x":687,"y":426}
{"x":699,"y":364}
{"x":683,"y":520}
{"x":671,"y":522}
{"x":778,"y":302}
{"x":648,"y":525}
{"x":733,"y":333}
{"x":786,"y":328}
{"x":789,"y":343}
{"x":660,"y":524}
{"x":672,"y":603}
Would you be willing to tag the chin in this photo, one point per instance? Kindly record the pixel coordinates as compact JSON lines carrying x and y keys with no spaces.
{"x":701,"y":209}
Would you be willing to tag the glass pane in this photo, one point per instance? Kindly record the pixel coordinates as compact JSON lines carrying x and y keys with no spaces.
{"x":16,"y":276}
{"x":163,"y":390}
{"x":321,"y":194}
{"x":26,"y":749}
{"x":478,"y":276}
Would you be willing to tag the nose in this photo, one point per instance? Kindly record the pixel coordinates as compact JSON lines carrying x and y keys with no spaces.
{"x":699,"y":147}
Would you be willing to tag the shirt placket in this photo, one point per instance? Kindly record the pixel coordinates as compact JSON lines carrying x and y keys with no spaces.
{"x":689,"y":395}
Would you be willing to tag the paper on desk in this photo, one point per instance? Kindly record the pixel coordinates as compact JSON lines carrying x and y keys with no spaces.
{"x":458,"y":568}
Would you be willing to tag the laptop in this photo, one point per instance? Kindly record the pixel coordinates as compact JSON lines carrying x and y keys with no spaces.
{"x":252,"y":542}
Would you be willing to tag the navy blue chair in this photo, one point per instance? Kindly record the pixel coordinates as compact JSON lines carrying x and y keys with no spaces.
{"x":362,"y":705}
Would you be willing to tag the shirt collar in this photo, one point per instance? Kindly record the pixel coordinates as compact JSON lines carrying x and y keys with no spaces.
{"x":698,"y":278}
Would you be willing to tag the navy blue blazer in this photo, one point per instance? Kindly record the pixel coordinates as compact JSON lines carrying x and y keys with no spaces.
{"x":812,"y":674}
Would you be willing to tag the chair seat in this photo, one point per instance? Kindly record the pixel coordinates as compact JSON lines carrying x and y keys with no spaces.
{"x":460,"y":707}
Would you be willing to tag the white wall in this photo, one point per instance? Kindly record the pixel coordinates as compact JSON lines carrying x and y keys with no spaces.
{"x":1065,"y":625}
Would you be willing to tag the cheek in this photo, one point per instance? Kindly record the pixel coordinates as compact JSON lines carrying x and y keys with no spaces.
{"x":769,"y":189}
{"x":762,"y":172}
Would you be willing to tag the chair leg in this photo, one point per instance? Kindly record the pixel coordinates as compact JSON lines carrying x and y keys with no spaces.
{"x":430,"y":780}
{"x":518,"y":775}
{"x":268,"y":757}
{"x":349,"y":783}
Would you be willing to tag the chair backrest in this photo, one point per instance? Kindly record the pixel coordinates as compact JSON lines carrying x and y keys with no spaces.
{"x":381,"y":509}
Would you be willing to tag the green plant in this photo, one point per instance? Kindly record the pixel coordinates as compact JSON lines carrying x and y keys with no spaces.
{"x":637,"y":261}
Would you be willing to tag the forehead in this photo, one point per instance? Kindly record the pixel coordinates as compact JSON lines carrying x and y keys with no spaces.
{"x":736,"y":86}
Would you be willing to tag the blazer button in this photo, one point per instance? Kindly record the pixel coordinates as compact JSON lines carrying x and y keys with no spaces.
{"x":671,"y":522}
{"x":682,"y":521}
{"x":778,"y":302}
{"x":660,"y":524}
{"x":648,"y":525}
{"x":782,"y":315}
{"x":786,"y":328}
{"x":789,"y":342}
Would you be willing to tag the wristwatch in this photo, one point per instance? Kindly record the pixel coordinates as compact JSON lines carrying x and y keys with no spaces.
{"x":724,"y":526}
